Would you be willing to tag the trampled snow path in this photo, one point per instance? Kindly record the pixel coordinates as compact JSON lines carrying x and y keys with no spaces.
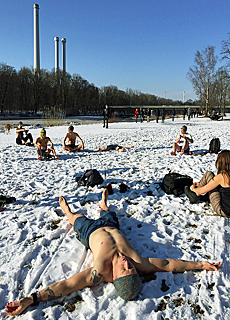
{"x":38,"y":246}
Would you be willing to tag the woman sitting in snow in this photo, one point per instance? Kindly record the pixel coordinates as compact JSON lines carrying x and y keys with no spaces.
{"x":217,"y":187}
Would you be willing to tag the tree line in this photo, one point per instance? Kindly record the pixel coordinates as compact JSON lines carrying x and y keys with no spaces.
{"x":26,"y":91}
{"x":211,"y":85}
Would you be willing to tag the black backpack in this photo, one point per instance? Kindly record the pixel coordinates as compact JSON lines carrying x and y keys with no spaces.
{"x":214,"y":145}
{"x":91,"y":178}
{"x":174,"y":183}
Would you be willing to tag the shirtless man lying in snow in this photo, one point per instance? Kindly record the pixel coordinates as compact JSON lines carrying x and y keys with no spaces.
{"x":115,"y":260}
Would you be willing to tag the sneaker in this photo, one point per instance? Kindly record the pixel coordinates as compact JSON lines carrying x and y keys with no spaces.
{"x":109,"y":188}
{"x":193,"y":198}
{"x":123,"y":187}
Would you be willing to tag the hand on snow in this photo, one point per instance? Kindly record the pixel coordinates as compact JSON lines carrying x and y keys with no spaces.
{"x":14,"y":308}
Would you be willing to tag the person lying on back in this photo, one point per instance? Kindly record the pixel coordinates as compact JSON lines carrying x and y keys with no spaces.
{"x":114,"y":260}
{"x":69,"y":142}
{"x":41,"y":144}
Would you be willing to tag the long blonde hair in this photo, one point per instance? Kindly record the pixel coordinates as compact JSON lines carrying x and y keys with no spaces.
{"x":223,"y":164}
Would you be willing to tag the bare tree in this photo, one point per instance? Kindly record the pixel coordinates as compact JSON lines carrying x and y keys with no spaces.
{"x":222,"y":82}
{"x":225,"y":51}
{"x":202,"y":75}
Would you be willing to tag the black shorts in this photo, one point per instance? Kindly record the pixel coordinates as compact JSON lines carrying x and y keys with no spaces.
{"x":84,"y":226}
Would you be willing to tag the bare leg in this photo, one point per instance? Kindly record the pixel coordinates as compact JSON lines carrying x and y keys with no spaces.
{"x":184,"y":147}
{"x":64,"y":205}
{"x":214,"y":195}
{"x":103,"y":149}
{"x":54,"y":153}
{"x":104,"y":199}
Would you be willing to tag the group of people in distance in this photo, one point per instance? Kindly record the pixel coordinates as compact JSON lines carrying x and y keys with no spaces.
{"x":42,"y":142}
{"x":114,"y":258}
{"x":69,"y":142}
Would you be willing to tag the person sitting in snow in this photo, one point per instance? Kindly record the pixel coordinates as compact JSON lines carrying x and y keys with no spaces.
{"x":69,"y":142}
{"x":41,"y":144}
{"x":182,"y":142}
{"x":21,"y":138}
{"x":115,"y":260}
{"x":217,"y":188}
{"x":114,"y":147}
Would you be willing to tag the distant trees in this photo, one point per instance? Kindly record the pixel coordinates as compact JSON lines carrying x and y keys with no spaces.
{"x":202,"y":75}
{"x":210,"y":85}
{"x":51,"y":92}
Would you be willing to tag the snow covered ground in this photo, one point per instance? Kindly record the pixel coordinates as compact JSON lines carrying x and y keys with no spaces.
{"x":39,"y":247}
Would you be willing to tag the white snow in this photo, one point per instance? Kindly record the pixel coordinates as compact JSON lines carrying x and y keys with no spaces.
{"x":38,"y":246}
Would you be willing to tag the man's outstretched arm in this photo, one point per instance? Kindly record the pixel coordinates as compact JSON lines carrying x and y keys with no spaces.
{"x":79,"y":281}
{"x":150,"y":265}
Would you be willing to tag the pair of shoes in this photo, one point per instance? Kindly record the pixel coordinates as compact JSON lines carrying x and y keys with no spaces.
{"x":193,"y":198}
{"x":173,"y":153}
{"x":109,"y":188}
{"x":123,"y":187}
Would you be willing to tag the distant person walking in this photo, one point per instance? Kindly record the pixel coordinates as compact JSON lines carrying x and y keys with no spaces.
{"x":189,"y":113}
{"x":157,"y":114}
{"x":173,"y":114}
{"x":142,"y":114}
{"x":184,"y":113}
{"x":106,"y":114}
{"x":136,"y":114}
{"x":148,"y":115}
{"x":163,"y":115}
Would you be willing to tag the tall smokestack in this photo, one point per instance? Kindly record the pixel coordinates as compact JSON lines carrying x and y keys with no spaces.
{"x":56,"y":40}
{"x":36,"y":38}
{"x":63,"y":40}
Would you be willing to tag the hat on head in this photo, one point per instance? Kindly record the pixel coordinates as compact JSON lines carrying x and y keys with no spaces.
{"x":184,"y":128}
{"x":43,"y":132}
{"x":127,"y":287}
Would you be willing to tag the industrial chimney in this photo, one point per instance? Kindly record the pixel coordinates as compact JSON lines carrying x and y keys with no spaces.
{"x":63,"y":54}
{"x":56,"y":40}
{"x":36,"y":38}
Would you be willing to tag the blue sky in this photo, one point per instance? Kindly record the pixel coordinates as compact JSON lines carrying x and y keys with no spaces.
{"x":145,"y":45}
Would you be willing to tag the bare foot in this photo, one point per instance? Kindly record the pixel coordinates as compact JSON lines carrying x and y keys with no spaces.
{"x":100,"y":149}
{"x":39,"y":158}
{"x":64,"y":205}
{"x":103,"y":205}
{"x":56,"y":157}
{"x":182,"y":152}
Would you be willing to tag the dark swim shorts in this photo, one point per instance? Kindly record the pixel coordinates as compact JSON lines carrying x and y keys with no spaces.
{"x":71,"y":145}
{"x":84,"y":226}
{"x":114,"y":147}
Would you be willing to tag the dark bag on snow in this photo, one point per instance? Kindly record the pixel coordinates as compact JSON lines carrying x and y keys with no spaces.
{"x":91,"y":178}
{"x":214,"y":145}
{"x":174,"y":183}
